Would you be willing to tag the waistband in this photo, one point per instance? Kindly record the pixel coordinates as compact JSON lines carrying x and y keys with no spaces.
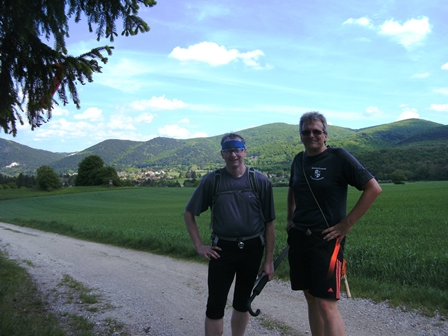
{"x":307,"y":231}
{"x":215,"y":238}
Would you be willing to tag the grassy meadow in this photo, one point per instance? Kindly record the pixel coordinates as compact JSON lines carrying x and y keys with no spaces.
{"x":397,"y":252}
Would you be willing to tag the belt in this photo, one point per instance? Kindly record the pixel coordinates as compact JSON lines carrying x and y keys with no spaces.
{"x":239,"y":240}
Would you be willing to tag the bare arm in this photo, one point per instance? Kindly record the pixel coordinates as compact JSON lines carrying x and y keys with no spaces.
{"x":268,"y":266}
{"x":207,"y":251}
{"x":291,"y":207}
{"x":371,"y":190}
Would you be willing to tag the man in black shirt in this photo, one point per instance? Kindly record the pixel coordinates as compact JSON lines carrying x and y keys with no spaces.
{"x":317,"y":220}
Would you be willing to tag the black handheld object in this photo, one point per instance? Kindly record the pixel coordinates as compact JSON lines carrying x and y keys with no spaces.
{"x":262,"y":280}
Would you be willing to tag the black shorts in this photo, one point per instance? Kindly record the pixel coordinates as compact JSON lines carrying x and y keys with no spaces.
{"x":245,"y":263}
{"x":311,"y":266}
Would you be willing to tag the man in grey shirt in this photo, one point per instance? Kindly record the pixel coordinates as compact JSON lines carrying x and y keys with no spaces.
{"x":243,"y":224}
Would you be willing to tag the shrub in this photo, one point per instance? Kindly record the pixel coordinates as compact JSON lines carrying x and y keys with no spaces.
{"x":47,"y":179}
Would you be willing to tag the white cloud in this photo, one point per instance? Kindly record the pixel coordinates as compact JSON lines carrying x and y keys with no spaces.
{"x":178,"y":132}
{"x":215,"y":55}
{"x":408,"y":113}
{"x":445,"y":66}
{"x":363,"y":21}
{"x":158,"y":103}
{"x":120,"y":121}
{"x":63,"y":129}
{"x":209,"y":10}
{"x":410,"y":33}
{"x":174,"y":131}
{"x":439,"y":107}
{"x":91,"y":114}
{"x":372,"y":111}
{"x":421,"y":75}
{"x":251,"y":58}
{"x":200,"y":135}
{"x":122,"y":75}
{"x":443,"y":91}
{"x":144,"y":118}
{"x":58,"y":111}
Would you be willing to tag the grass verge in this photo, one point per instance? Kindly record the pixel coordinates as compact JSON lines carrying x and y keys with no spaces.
{"x":23,"y":311}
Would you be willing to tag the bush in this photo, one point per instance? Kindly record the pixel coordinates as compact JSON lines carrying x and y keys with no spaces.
{"x":12,"y":185}
{"x":87,"y":170}
{"x":47,"y":179}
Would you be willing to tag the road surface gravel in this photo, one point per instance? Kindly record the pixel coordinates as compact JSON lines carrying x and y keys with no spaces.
{"x":150,"y":294}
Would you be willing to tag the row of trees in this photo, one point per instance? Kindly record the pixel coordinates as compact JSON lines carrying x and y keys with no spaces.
{"x":25,"y":181}
{"x":91,"y":171}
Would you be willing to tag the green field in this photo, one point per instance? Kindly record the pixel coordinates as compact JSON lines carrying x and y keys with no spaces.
{"x":397,"y":252}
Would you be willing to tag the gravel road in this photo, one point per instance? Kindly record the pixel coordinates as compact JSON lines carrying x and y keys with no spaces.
{"x":155,"y":295}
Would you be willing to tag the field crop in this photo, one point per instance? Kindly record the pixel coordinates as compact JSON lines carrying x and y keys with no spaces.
{"x":396,"y":252}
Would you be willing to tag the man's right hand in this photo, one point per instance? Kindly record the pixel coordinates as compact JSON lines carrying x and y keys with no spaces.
{"x":209,"y":252}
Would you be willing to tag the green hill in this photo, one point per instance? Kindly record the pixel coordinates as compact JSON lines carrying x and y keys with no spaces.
{"x":413,"y":145}
{"x":16,"y":158}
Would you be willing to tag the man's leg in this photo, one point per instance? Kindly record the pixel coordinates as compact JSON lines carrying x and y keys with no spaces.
{"x":239,"y":322}
{"x":214,"y":327}
{"x":314,"y":317}
{"x":329,"y":312}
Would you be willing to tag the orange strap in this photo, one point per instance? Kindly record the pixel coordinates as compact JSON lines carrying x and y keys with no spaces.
{"x":334,"y":257}
{"x":344,"y":268}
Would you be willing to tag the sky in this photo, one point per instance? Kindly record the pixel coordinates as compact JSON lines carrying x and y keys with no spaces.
{"x":211,"y":67}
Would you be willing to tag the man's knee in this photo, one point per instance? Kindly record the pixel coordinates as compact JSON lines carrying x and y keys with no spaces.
{"x":327,"y":306}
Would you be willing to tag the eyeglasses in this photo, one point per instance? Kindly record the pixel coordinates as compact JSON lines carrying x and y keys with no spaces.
{"x":233,"y":150}
{"x":315,"y":132}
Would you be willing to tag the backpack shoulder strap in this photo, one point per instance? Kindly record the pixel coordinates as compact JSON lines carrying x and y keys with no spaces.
{"x":253,"y":181}
{"x":216,"y":182}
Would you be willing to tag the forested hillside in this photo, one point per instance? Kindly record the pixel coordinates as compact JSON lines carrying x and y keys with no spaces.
{"x":415,"y":148}
{"x":23,"y":159}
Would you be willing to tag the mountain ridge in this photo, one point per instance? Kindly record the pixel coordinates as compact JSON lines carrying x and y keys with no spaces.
{"x":270,"y":146}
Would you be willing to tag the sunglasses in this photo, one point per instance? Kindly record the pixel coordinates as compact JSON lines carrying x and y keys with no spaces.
{"x":233,"y":150}
{"x":315,"y":132}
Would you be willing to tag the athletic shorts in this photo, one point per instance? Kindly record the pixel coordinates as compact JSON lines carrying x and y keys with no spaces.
{"x":310,"y":264}
{"x":245,"y":264}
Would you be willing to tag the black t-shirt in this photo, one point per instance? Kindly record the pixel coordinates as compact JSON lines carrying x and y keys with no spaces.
{"x":329,"y":174}
{"x":236,"y":213}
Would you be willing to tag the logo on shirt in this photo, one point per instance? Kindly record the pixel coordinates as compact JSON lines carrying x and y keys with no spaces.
{"x":317,"y":173}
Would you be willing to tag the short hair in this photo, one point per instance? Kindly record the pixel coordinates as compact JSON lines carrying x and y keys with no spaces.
{"x":232,"y":136}
{"x":313,"y":116}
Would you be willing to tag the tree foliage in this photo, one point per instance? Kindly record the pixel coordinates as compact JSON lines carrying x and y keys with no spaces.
{"x":26,"y":181}
{"x":32,"y":71}
{"x":87,"y":170}
{"x":91,"y":171}
{"x":106,"y":174}
{"x":47,"y":179}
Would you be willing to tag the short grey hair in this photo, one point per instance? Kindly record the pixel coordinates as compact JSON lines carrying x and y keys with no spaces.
{"x":313,"y":116}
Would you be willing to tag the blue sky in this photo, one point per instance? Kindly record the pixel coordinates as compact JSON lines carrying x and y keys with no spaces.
{"x":210,"y":67}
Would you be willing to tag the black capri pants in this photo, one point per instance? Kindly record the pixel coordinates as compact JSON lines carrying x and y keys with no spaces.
{"x":244,"y":263}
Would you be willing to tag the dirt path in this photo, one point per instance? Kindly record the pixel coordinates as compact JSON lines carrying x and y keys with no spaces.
{"x":156,"y":295}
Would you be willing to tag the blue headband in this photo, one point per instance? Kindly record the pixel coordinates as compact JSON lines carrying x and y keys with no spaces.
{"x":232,"y":144}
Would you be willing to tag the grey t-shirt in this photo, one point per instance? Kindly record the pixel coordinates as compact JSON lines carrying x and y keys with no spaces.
{"x":236,"y":213}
